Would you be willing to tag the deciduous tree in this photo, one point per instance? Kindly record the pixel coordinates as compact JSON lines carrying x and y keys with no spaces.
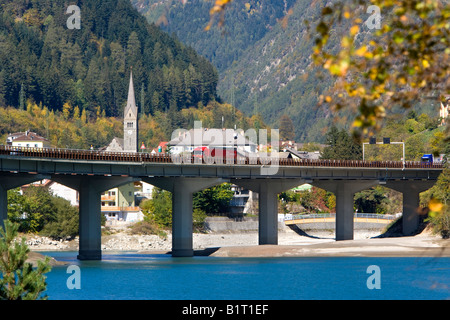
{"x":404,"y":58}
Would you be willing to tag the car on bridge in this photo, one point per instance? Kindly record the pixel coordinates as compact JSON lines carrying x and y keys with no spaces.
{"x":216,"y":152}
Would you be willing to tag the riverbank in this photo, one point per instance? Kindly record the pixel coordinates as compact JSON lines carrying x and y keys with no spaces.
{"x":122,"y":240}
{"x":245,"y":244}
{"x":414,"y":246}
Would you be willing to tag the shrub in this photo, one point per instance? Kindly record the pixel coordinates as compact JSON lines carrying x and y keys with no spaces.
{"x":145,"y":227}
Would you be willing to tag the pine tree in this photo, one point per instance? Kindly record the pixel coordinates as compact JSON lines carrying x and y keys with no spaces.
{"x":142,"y":100}
{"x":341,"y":146}
{"x":19,"y":281}
{"x":287,"y":130}
{"x":22,"y":98}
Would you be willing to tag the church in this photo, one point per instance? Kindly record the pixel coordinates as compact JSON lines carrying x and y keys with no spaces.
{"x":129,"y":142}
{"x":119,"y":204}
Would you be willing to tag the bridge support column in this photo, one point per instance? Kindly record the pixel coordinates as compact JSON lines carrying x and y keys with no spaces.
{"x":182,"y":191}
{"x":411,"y":199}
{"x":11,"y":181}
{"x":344,"y":192}
{"x":268,"y":190}
{"x":90,"y":189}
{"x":268,"y":213}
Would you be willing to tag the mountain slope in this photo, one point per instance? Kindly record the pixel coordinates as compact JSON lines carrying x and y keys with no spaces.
{"x":44,"y":61}
{"x":247,"y":21}
{"x":264,"y":64}
{"x":276,"y":76}
{"x":263,"y":55}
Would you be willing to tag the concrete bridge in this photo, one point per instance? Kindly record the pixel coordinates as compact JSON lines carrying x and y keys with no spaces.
{"x":331,"y":217}
{"x":92,"y":172}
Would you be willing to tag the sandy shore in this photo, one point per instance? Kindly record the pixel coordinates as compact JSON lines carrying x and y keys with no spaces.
{"x":290,"y":244}
{"x":417,"y":246}
{"x":323,"y":244}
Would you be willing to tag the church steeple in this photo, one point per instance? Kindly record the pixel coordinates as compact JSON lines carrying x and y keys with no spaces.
{"x":130,"y":123}
{"x":131,"y":101}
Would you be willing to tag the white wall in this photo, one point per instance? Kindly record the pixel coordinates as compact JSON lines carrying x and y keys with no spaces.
{"x":65,"y":192}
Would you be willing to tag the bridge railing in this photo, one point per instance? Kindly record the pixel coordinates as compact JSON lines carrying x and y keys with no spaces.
{"x":96,"y":155}
{"x":289,"y":217}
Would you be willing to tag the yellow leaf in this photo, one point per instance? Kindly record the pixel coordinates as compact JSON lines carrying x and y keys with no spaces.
{"x":435,"y":205}
{"x":334,"y":69}
{"x":354,"y":30}
{"x":425,"y":63}
{"x":328,"y":99}
{"x":345,"y":42}
{"x":344,"y":66}
{"x":346,"y":15}
{"x":361,"y":91}
{"x":357,"y":123}
{"x":368,"y":55}
{"x":361,"y":51}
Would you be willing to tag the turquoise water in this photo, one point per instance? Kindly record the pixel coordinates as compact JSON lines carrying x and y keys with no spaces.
{"x":131,"y":276}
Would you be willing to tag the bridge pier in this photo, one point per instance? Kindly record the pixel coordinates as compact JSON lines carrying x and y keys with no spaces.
{"x":182,"y":191}
{"x":11,"y":181}
{"x":411,"y":201}
{"x":268,"y":190}
{"x":90,"y":189}
{"x":344,"y":192}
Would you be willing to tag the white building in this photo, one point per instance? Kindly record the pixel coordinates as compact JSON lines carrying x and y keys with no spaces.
{"x":187,"y":141}
{"x":27,"y":139}
{"x":58,"y":190}
{"x":62,"y":191}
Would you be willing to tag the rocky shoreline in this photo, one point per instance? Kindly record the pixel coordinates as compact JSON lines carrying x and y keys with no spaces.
{"x":122,"y":240}
{"x":117,"y":242}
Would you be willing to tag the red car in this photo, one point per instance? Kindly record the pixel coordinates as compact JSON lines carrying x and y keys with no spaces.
{"x":217,"y":152}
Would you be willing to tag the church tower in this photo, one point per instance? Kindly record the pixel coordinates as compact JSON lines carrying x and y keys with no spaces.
{"x":130,"y":121}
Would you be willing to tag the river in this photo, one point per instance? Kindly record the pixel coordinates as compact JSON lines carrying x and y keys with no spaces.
{"x":130,"y":276}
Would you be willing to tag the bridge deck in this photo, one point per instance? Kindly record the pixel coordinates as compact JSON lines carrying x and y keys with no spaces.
{"x":88,"y":155}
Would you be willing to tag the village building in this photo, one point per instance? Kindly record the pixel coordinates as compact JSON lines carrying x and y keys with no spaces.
{"x":187,"y":141}
{"x":27,"y":139}
{"x":161,"y":148}
{"x":118,"y":204}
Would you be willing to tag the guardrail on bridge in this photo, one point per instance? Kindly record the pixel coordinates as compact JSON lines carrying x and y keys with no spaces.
{"x":142,"y":157}
{"x":328,"y":217}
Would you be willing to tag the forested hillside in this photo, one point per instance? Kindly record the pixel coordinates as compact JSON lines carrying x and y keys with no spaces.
{"x":44,"y":61}
{"x":247,"y":22}
{"x":79,"y":129}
